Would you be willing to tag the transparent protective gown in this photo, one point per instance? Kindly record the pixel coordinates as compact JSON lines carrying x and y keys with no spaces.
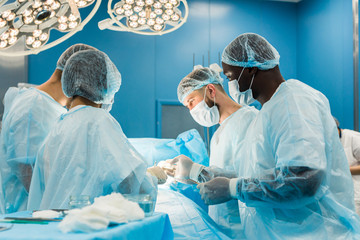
{"x":295,"y":182}
{"x":226,"y":140}
{"x":9,"y":98}
{"x":29,"y":116}
{"x":351,"y":142}
{"x":86,"y":153}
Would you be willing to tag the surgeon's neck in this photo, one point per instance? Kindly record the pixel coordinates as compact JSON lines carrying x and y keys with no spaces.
{"x":226,"y":106}
{"x":53,"y":88}
{"x":266,"y":84}
{"x":78,"y":100}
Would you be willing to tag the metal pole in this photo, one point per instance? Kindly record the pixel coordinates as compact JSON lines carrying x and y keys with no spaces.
{"x":355,"y":4}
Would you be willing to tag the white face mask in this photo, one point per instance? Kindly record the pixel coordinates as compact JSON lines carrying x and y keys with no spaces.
{"x":204,"y":115}
{"x":242,"y":98}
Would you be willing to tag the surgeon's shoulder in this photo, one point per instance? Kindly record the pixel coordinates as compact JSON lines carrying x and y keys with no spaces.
{"x":297,"y":87}
{"x":296,"y":93}
{"x":352,"y":133}
{"x":23,"y":102}
{"x":11,"y":95}
{"x":247,"y":113}
{"x":101,"y":117}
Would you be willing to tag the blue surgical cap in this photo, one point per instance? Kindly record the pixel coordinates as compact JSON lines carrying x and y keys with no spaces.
{"x":251,"y":50}
{"x":69,"y":52}
{"x":198,"y":78}
{"x":92,"y":75}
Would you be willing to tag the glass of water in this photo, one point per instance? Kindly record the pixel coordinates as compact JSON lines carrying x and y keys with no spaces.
{"x":79,"y":201}
{"x":145,"y":201}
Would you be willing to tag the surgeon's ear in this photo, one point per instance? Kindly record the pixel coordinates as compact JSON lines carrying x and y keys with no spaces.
{"x":211,"y":90}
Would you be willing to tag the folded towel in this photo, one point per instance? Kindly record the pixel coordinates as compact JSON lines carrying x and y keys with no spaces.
{"x":113,"y":208}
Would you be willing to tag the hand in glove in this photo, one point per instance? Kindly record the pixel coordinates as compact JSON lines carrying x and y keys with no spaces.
{"x":159,"y":173}
{"x":215,"y":191}
{"x":184,"y":169}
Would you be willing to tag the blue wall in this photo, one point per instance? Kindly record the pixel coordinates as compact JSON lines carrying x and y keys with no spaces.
{"x":314,"y":39}
{"x":325,"y":53}
{"x":152,"y":66}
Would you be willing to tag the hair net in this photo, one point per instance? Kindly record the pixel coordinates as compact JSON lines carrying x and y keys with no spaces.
{"x":199,"y":77}
{"x":251,"y":50}
{"x":92,"y":75}
{"x":69,"y":52}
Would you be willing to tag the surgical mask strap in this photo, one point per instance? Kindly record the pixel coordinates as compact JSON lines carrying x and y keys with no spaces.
{"x":240,"y":75}
{"x":252,"y":80}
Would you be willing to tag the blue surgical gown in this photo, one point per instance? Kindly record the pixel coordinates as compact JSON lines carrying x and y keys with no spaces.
{"x":86,"y":153}
{"x":29,"y":116}
{"x":294,"y":180}
{"x":226,"y":140}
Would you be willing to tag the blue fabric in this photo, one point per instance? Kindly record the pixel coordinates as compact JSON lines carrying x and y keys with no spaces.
{"x":294,"y":181}
{"x":156,"y":227}
{"x":188,"y":143}
{"x":188,"y":220}
{"x":191,"y":192}
{"x":29,"y":116}
{"x":86,"y":153}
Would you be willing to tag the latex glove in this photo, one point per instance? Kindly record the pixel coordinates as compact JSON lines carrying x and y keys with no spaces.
{"x":215,"y":191}
{"x":184,"y":169}
{"x":166,"y":165}
{"x":159,"y":173}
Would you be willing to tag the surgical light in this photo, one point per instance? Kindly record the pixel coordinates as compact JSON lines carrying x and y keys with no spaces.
{"x":29,"y":22}
{"x":147,"y":17}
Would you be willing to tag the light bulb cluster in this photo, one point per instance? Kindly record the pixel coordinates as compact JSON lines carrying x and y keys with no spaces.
{"x":9,"y":37}
{"x":34,"y":19}
{"x":152,"y":14}
{"x":68,"y":22}
{"x":83,"y":3}
{"x":37,"y":39}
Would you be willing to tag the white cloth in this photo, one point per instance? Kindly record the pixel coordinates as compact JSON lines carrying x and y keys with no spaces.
{"x":29,"y":116}
{"x":86,"y":153}
{"x":113,"y":208}
{"x":46,"y":214}
{"x":294,"y":179}
{"x":87,"y":220}
{"x":351,"y":143}
{"x":225,"y":143}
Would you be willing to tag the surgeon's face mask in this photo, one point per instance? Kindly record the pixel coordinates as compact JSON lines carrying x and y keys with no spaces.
{"x":204,"y":115}
{"x":242,"y":98}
